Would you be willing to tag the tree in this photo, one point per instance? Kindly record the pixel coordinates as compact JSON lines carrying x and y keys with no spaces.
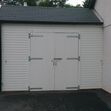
{"x":43,"y":3}
{"x":31,"y":2}
{"x":53,"y":3}
{"x":78,"y":6}
{"x":86,"y":3}
{"x":89,"y":4}
{"x":57,"y":3}
{"x":68,"y":6}
{"x":20,"y":2}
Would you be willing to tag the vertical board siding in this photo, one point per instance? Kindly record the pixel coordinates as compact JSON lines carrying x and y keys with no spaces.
{"x":15,"y":45}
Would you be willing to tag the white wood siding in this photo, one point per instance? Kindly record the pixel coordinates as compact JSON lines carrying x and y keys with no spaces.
{"x":15,"y":58}
{"x":91,"y":51}
{"x":15,"y":45}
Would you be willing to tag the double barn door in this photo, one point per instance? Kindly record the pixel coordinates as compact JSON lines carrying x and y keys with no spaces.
{"x":54,"y":61}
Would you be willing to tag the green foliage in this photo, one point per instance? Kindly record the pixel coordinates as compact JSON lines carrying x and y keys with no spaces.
{"x":68,"y":6}
{"x":52,"y":3}
{"x":11,"y":2}
{"x":78,"y":6}
{"x":31,"y":2}
{"x":56,"y":3}
{"x":85,"y":5}
{"x":21,"y":2}
{"x":43,"y":3}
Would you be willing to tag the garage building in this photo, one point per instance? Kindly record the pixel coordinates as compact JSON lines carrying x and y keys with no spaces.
{"x":46,"y":49}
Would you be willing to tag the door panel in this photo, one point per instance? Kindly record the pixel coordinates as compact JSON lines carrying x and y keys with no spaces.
{"x":66,"y":69}
{"x":42,"y":73}
{"x":60,"y":66}
{"x":54,"y":64}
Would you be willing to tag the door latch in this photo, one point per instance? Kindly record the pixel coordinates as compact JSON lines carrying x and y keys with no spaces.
{"x":54,"y":62}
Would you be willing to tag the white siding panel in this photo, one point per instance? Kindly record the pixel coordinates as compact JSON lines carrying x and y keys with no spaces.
{"x":15,"y":58}
{"x":91,"y":51}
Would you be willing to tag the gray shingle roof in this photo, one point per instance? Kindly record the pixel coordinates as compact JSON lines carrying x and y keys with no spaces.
{"x":48,"y":15}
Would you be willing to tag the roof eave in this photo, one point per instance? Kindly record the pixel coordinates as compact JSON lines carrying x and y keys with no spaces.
{"x":52,"y":22}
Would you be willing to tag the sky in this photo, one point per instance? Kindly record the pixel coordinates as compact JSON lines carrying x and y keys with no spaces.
{"x":75,"y":2}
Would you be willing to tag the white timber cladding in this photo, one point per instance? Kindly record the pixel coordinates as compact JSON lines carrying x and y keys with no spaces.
{"x":14,"y":58}
{"x":16,"y":52}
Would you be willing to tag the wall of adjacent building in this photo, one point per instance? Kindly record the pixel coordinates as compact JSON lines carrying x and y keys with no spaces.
{"x":103,"y":8}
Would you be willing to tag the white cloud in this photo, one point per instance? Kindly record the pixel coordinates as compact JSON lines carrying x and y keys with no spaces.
{"x":75,"y":2}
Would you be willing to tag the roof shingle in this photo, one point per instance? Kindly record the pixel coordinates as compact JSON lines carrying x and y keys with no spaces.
{"x":50,"y":15}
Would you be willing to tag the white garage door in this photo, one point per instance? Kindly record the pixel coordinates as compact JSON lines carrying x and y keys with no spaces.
{"x":54,"y":61}
{"x":42,"y":72}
